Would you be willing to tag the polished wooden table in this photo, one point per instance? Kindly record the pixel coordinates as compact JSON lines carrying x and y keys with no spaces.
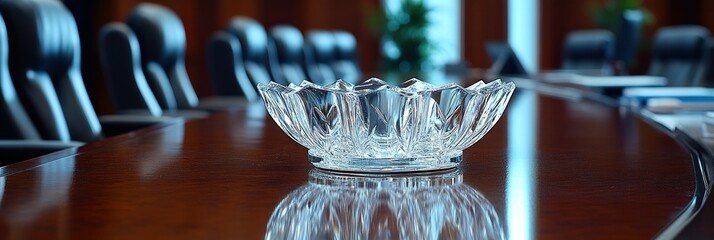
{"x":551,"y":168}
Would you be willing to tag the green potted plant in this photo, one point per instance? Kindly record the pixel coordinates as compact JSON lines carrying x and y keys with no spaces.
{"x":403,"y":32}
{"x":609,"y":14}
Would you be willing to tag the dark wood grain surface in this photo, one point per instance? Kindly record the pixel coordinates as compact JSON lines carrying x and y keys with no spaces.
{"x":552,"y":168}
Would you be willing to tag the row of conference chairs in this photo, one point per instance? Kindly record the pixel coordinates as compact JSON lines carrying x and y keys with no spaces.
{"x":282,"y":55}
{"x":682,"y":54}
{"x":44,"y":105}
{"x":240,"y":57}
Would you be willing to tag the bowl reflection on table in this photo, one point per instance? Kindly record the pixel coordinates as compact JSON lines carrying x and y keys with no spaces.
{"x":434,"y":206}
{"x":376,"y":127}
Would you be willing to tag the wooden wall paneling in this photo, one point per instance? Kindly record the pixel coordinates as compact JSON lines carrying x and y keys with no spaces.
{"x":227,"y":9}
{"x":276,"y":12}
{"x":483,"y":21}
{"x":369,"y":45}
{"x":316,"y":14}
{"x":557,"y":19}
{"x":705,"y":16}
{"x":685,"y":12}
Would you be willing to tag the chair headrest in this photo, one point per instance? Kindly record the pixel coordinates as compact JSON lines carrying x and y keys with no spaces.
{"x":590,"y":44}
{"x":684,"y":42}
{"x":251,"y":35}
{"x":160,"y":32}
{"x":323,"y":45}
{"x":345,"y":45}
{"x":42,"y":35}
{"x":288,"y":40}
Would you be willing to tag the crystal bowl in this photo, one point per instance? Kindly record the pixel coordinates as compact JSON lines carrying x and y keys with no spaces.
{"x":437,"y":205}
{"x":375,"y":127}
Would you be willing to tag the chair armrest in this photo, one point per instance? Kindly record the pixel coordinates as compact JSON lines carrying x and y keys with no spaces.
{"x":12,"y":151}
{"x":113,"y":125}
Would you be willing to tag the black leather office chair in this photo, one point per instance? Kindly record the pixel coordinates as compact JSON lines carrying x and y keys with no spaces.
{"x":15,"y":124}
{"x":680,"y":53}
{"x":589,"y":50}
{"x":320,"y":54}
{"x":256,"y":49}
{"x":345,"y":65}
{"x":709,"y":81}
{"x":225,"y":65}
{"x":14,"y":121}
{"x":19,"y":138}
{"x":144,"y":66}
{"x":162,"y":40}
{"x":44,"y":64}
{"x":289,"y":44}
{"x":121,"y":61}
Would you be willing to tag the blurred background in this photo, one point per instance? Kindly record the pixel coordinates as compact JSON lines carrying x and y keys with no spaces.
{"x":456,"y":30}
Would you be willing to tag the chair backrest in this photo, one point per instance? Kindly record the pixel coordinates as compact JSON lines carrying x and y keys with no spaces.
{"x":162,"y":40}
{"x":680,"y":53}
{"x":14,"y":121}
{"x":345,"y":65}
{"x":290,"y":44}
{"x":709,"y":81}
{"x":255,"y":45}
{"x":320,"y":53}
{"x":589,"y":50}
{"x":121,"y":60}
{"x":45,"y":65}
{"x":225,"y":64}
